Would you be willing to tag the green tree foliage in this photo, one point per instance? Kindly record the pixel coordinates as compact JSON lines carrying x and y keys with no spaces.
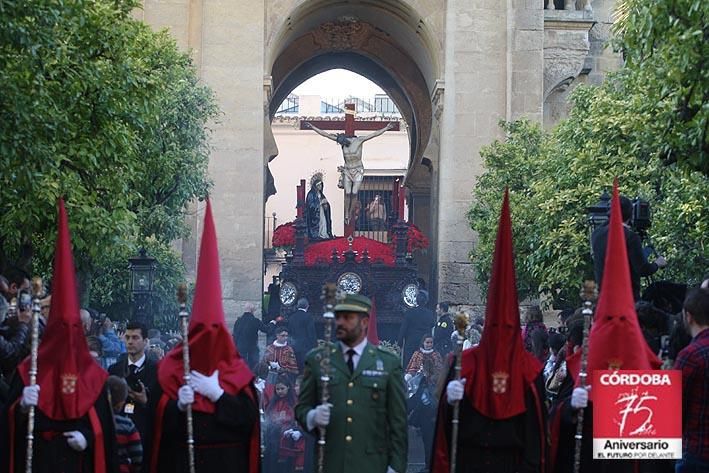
{"x":99,"y":109}
{"x":666,"y":47}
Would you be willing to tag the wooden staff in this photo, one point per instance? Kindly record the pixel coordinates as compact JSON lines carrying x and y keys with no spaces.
{"x":461,"y":323}
{"x":589,"y":295}
{"x":36,"y":309}
{"x":184,"y":327}
{"x":329,"y":297}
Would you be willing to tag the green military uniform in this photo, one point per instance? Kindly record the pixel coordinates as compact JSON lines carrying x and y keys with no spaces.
{"x":367,"y":430}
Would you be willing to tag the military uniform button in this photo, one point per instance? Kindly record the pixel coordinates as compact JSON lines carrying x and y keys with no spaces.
{"x":348,"y":438}
{"x":375,"y":396}
{"x":349,"y":419}
{"x":350,"y":384}
{"x":349,"y":402}
{"x":376,"y":385}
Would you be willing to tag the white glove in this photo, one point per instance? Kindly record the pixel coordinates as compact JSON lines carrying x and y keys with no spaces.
{"x":579,"y":398}
{"x":295,"y":435}
{"x":76,"y":440}
{"x":185,"y":396}
{"x":407,"y":377}
{"x":30,"y":396}
{"x":660,"y":261}
{"x":391,"y":470}
{"x":260,"y":384}
{"x":455,"y":390}
{"x":320,"y":415}
{"x":274,"y":365}
{"x":207,"y":386}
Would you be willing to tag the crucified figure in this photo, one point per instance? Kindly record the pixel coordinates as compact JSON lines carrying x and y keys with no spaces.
{"x":353,"y":171}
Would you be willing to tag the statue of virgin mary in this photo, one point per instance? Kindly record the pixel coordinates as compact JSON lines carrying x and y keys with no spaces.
{"x":317,"y":211}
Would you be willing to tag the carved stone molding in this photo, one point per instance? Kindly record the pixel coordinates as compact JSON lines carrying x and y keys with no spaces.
{"x":437,"y":98}
{"x":342,"y":35}
{"x":566,"y":46}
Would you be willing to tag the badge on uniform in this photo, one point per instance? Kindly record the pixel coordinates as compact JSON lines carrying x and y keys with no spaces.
{"x":129,"y":408}
{"x":380,"y":365}
{"x":444,"y":324}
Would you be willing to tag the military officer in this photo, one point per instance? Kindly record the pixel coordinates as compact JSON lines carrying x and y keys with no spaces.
{"x":365,"y":418}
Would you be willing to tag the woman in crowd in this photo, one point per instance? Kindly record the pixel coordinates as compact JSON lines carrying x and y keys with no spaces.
{"x":284,"y":442}
{"x":422,"y":376}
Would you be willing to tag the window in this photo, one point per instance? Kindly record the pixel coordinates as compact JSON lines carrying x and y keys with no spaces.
{"x":289,"y":105}
{"x":376,"y":207}
{"x":385,"y":105}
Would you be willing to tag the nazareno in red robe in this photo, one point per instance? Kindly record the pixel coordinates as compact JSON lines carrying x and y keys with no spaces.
{"x":226,"y":433}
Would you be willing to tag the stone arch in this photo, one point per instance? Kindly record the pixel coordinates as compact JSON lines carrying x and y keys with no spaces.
{"x":386,"y":41}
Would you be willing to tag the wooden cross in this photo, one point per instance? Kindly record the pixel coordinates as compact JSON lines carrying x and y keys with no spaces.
{"x":350,"y":125}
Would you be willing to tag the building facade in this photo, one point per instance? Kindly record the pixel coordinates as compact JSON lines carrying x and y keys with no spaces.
{"x":454,"y":69}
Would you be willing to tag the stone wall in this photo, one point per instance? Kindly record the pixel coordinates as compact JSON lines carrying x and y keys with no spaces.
{"x":493,"y":71}
{"x":226,"y":40}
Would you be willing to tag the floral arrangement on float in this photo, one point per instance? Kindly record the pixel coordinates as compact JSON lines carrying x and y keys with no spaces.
{"x":284,"y":236}
{"x":416,"y":240}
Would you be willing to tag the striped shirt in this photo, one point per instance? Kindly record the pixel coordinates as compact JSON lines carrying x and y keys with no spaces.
{"x":130,"y":448}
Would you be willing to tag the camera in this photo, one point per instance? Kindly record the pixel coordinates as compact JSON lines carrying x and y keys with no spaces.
{"x":641,"y":216}
{"x":133,"y":383}
{"x":25,"y":301}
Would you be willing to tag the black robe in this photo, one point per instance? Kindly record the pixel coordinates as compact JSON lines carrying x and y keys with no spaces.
{"x":51,"y":453}
{"x":485,"y":445}
{"x":312,"y":215}
{"x":223,"y":440}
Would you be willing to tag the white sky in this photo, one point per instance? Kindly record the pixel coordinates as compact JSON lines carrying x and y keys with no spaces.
{"x":338,"y":83}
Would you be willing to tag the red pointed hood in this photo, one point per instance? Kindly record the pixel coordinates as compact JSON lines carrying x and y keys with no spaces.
{"x":615,"y":340}
{"x":69,"y":377}
{"x":499,"y":369}
{"x":211,"y":344}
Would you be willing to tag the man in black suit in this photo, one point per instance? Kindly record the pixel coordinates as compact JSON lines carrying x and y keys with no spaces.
{"x":141,"y":375}
{"x":442,"y":331}
{"x":245,"y":334}
{"x":302,"y":331}
{"x":418,"y":321}
{"x":638,"y":263}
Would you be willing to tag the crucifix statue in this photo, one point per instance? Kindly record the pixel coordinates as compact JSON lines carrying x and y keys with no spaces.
{"x":353,"y":170}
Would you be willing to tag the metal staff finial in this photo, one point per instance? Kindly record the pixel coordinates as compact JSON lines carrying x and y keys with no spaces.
{"x":589,"y":294}
{"x":461,"y":324}
{"x":34,"y":346}
{"x":184,"y":328}
{"x":330,"y":296}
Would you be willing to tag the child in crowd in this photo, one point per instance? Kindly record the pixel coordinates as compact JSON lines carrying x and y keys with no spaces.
{"x":129,"y":446}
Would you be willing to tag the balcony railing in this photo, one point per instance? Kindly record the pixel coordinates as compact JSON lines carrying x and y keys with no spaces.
{"x":567,"y":5}
{"x":270,"y":224}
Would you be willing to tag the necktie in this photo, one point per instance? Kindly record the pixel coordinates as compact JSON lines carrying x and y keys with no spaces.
{"x":132,"y":369}
{"x":350,"y":359}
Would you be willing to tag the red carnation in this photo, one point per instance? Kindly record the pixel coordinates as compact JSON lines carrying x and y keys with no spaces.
{"x":284,"y":236}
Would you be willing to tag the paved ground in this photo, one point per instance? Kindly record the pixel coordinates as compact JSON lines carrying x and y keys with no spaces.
{"x":416,"y":452}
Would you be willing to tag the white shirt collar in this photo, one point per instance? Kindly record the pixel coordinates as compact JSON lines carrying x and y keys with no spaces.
{"x":359,"y":348}
{"x":138,"y":363}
